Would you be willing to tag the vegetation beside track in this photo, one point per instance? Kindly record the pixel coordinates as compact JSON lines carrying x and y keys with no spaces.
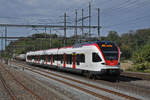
{"x":141,"y":59}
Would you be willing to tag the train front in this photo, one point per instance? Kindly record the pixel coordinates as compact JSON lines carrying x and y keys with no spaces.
{"x":111,"y":58}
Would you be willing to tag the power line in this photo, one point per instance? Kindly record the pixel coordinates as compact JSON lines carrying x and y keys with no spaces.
{"x":126,"y":8}
{"x":122,"y":23}
{"x":116,"y":6}
{"x":123,"y":12}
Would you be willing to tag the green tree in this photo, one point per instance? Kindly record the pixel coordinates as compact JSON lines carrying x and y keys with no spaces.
{"x":113,"y":36}
{"x":142,"y":59}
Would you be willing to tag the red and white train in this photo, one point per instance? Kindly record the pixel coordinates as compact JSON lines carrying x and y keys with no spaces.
{"x":95,"y":58}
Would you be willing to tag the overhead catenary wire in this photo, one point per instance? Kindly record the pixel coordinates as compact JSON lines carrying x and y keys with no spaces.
{"x":127,"y":21}
{"x":122,"y":11}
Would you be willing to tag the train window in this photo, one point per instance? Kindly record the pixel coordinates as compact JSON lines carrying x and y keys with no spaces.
{"x":60,"y":58}
{"x":28,"y":57}
{"x":49,"y":58}
{"x":32,"y":57}
{"x":57,"y":57}
{"x":43,"y":57}
{"x":69,"y":59}
{"x":96,"y":57}
{"x":80,"y":58}
{"x":54,"y":58}
{"x":40,"y":57}
{"x":35,"y":58}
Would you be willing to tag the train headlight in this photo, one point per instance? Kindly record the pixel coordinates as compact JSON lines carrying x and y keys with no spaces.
{"x":103,"y":63}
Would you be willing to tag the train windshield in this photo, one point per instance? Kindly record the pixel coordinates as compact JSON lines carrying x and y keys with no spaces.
{"x":109,"y":50}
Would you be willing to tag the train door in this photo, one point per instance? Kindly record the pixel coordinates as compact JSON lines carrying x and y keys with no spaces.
{"x":73,"y":60}
{"x":39,"y":59}
{"x":46,"y":58}
{"x":51,"y":59}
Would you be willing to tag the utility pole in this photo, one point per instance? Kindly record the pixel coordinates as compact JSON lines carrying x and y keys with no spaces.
{"x":98,"y":29}
{"x":24,"y":44}
{"x":5,"y":37}
{"x":82,"y":22}
{"x":76,"y":18}
{"x":65,"y":29}
{"x":89,"y":19}
{"x":50,"y":38}
{"x":2,"y":42}
{"x":1,"y":46}
{"x":41,"y":43}
{"x":45,"y":29}
{"x":45,"y":39}
{"x":5,"y":40}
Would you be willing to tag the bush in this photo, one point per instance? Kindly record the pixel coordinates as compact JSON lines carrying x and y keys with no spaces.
{"x":141,"y":59}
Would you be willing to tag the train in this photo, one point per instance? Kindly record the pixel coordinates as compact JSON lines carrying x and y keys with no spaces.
{"x":21,"y":57}
{"x":98,"y":58}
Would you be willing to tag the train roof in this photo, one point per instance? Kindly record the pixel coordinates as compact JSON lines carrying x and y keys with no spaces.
{"x":74,"y":46}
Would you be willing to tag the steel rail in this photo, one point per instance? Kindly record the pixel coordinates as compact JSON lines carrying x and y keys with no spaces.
{"x":27,"y":89}
{"x":143,"y":76}
{"x":12,"y":96}
{"x":89,"y":85}
{"x":71,"y":85}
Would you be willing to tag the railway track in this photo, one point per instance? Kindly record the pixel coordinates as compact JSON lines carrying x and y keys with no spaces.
{"x":7,"y":89}
{"x":45,"y":74}
{"x":14,"y":78}
{"x":136,"y":75}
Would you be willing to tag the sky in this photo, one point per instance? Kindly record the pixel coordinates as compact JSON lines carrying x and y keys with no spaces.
{"x":118,"y":15}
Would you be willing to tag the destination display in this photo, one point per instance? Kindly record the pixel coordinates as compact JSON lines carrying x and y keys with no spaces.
{"x":104,"y":45}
